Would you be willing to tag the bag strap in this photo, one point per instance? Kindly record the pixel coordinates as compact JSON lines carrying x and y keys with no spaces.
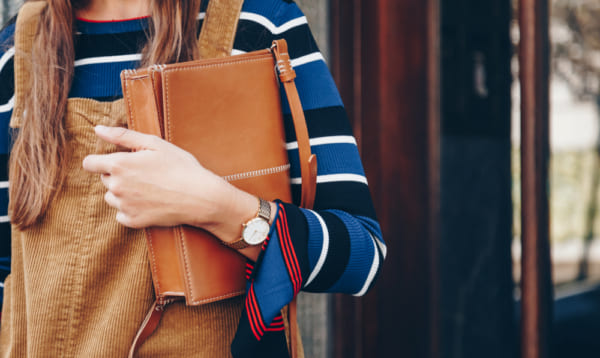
{"x":26,"y":29}
{"x":148,"y":327}
{"x":308,"y":161}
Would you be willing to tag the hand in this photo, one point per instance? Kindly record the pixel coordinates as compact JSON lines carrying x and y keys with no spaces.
{"x":158,"y":184}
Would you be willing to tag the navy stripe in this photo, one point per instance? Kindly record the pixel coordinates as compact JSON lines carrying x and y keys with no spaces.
{"x":3,"y":201}
{"x":300,"y":41}
{"x":321,"y":122}
{"x":298,"y":228}
{"x":353,"y":197}
{"x":98,"y":45}
{"x":3,"y":167}
{"x":116,"y":27}
{"x":337,"y":261}
{"x":4,"y":240}
{"x":362,"y":254}
{"x":7,"y":78}
{"x":279,"y":12}
{"x":5,"y":140}
{"x":252,"y":35}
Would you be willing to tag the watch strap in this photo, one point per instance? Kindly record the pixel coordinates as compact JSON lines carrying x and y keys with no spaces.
{"x":264,"y":212}
{"x":238,"y":244}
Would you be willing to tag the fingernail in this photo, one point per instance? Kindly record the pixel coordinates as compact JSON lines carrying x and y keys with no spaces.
{"x":100,"y":129}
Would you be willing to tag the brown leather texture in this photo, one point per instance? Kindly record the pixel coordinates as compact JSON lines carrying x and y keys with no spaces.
{"x":211,"y":109}
{"x":308,"y":161}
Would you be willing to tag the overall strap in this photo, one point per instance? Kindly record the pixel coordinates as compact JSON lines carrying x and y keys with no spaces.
{"x":219,"y":28}
{"x":25,"y":31}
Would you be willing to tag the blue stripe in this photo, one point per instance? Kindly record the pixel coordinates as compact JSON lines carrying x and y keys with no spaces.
{"x":272,"y":283}
{"x":111,"y":27}
{"x":315,"y":87}
{"x":7,"y":37}
{"x":99,"y":80}
{"x":339,"y":158}
{"x":3,"y":201}
{"x":4,"y":132}
{"x":277,"y":11}
{"x":362,"y":255}
{"x":372,"y":226}
{"x":315,"y":238}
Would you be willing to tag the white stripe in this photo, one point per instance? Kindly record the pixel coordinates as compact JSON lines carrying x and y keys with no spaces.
{"x":201,"y":16}
{"x":337,"y":139}
{"x":235,"y":52}
{"x":275,"y":30}
{"x":3,"y":60}
{"x":3,"y":184}
{"x":372,"y":272}
{"x":6,"y":57}
{"x":324,"y":251}
{"x":381,"y":245}
{"x":8,"y":106}
{"x":1,"y":284}
{"x":315,"y":56}
{"x":333,"y":178}
{"x":107,"y":59}
{"x":4,"y":219}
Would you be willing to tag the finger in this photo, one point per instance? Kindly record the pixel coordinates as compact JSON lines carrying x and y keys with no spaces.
{"x":127,"y":138}
{"x":123,"y":219}
{"x":103,"y":163}
{"x":105,"y":178}
{"x":128,"y":221}
{"x":112,"y":200}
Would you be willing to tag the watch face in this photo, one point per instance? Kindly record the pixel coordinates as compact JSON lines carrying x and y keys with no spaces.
{"x":256,"y":231}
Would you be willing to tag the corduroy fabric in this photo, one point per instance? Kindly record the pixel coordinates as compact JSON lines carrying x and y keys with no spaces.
{"x":80,"y":283}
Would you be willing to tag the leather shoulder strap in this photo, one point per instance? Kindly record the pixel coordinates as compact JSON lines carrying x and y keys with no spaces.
{"x":308,"y":161}
{"x":219,"y":28}
{"x":25,"y":32}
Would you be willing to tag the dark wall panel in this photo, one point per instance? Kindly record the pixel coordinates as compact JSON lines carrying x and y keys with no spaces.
{"x":476,"y":210}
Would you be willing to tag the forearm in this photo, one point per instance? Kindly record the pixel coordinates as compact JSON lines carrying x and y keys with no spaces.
{"x":234,"y":207}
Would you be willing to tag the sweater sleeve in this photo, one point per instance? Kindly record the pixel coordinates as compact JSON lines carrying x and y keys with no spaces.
{"x":6,"y":106}
{"x":337,"y":246}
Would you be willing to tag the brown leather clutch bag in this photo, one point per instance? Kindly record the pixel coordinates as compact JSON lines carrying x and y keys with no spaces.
{"x":227,"y":113}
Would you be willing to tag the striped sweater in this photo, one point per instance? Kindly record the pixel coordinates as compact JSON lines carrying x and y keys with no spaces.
{"x":337,"y":247}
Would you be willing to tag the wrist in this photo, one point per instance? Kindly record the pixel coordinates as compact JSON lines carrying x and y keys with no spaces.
{"x":232,"y":207}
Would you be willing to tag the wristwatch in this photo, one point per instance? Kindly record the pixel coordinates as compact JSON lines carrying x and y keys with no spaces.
{"x":255,"y":230}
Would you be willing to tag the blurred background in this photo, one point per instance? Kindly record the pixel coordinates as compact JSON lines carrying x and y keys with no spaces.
{"x":432,"y":90}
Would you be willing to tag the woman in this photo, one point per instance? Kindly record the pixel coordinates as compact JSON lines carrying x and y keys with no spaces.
{"x":79,"y":283}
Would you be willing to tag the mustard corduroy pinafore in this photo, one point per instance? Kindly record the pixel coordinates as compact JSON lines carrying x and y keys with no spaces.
{"x":80,"y":284}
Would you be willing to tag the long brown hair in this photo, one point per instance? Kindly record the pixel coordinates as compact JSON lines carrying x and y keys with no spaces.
{"x":39,"y":150}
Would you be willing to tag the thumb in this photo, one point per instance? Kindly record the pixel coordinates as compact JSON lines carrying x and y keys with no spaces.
{"x":126,"y":138}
